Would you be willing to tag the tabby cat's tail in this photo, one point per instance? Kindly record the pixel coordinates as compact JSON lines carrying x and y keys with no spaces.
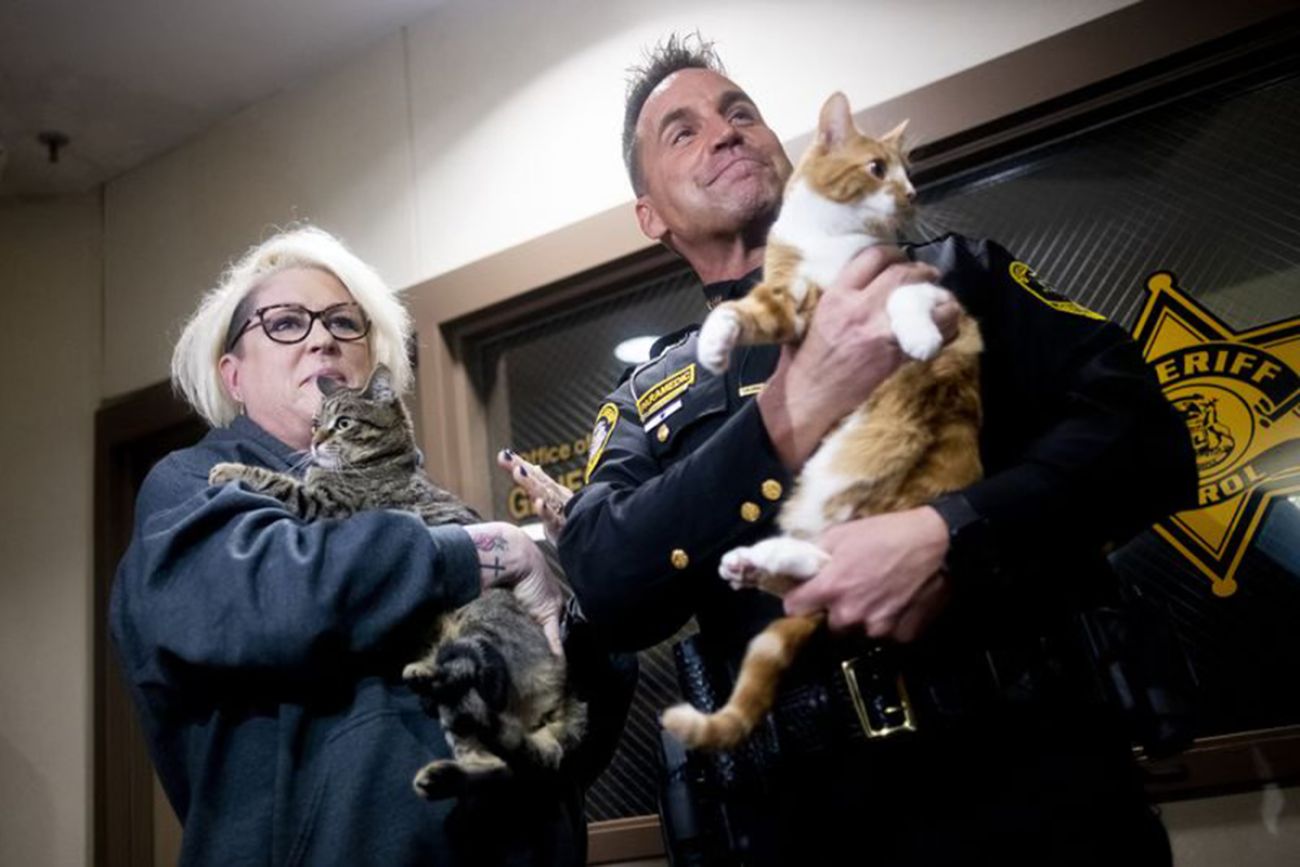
{"x":770,"y":653}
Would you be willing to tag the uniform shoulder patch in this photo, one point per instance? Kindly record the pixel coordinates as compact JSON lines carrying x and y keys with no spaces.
{"x":1030,"y":282}
{"x":606,"y":419}
{"x":665,"y":390}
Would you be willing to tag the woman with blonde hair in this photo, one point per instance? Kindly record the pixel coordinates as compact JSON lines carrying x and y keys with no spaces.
{"x":263,"y":652}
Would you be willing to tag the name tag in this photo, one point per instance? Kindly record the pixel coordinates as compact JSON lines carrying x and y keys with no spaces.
{"x":659,"y":417}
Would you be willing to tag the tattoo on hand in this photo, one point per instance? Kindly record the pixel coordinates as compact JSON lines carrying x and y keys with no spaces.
{"x":491,"y":542}
{"x":494,"y":567}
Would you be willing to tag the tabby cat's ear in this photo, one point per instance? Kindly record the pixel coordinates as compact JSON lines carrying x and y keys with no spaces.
{"x":326,"y":385}
{"x":894,"y":135}
{"x":380,"y":386}
{"x":836,"y":122}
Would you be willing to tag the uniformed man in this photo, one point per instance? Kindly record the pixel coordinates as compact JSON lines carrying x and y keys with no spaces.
{"x":1003,"y":752}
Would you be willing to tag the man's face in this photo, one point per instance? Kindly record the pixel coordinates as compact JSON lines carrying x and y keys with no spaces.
{"x":711,"y":167}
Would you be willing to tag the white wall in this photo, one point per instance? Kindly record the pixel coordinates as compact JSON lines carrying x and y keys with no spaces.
{"x":534,"y":145}
{"x":50,"y":277}
{"x":334,"y":151}
{"x":492,"y":123}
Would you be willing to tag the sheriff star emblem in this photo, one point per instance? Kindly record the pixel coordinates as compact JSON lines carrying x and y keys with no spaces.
{"x":1239,"y":393}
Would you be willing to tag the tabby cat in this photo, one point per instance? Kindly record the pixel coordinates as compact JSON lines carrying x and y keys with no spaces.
{"x":490,"y":676}
{"x":916,"y":436}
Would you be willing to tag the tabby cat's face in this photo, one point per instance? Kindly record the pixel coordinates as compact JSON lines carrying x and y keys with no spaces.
{"x":853,"y":169}
{"x":358,"y":426}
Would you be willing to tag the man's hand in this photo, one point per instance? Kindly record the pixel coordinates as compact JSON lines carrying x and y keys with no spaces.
{"x":508,"y":558}
{"x":547,"y":495}
{"x":884,"y":577}
{"x":848,"y":350}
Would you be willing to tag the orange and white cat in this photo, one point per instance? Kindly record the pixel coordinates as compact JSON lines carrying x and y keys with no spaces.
{"x":917,"y":435}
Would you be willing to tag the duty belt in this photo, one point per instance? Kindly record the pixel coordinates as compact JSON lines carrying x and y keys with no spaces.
{"x":882,"y":694}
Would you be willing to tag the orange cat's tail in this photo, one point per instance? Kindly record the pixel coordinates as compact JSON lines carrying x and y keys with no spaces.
{"x":770,"y":653}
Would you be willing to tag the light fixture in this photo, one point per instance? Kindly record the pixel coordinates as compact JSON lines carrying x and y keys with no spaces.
{"x":54,"y":141}
{"x":634,"y":350}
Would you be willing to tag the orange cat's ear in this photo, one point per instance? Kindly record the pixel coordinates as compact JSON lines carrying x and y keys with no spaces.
{"x":894,"y":135}
{"x":836,"y":122}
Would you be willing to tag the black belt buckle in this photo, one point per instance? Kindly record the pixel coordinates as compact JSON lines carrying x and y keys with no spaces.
{"x":879,"y":694}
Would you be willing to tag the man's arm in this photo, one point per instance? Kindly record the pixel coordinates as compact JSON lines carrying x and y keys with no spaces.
{"x":1105,"y":454}
{"x":639,"y":542}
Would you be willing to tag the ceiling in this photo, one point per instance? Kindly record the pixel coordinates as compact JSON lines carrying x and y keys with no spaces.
{"x":130,"y":79}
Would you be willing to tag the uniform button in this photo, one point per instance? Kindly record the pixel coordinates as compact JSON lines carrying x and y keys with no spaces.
{"x":679,"y":559}
{"x":662,"y":433}
{"x":772,"y":490}
{"x":750,"y":512}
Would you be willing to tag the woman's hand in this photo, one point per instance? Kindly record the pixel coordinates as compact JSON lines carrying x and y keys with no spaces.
{"x":508,"y":558}
{"x":547,"y":495}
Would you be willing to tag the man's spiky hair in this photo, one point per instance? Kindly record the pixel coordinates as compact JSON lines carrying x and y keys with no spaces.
{"x":674,"y":54}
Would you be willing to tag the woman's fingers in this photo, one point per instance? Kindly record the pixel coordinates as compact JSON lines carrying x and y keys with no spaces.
{"x":547,"y":495}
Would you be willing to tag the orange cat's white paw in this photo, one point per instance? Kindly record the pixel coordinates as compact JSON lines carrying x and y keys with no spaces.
{"x":909,"y":309}
{"x":717,"y":338}
{"x":774,"y":564}
{"x":738,"y":569}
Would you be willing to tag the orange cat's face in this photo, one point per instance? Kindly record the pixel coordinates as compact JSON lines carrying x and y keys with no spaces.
{"x":850,"y":168}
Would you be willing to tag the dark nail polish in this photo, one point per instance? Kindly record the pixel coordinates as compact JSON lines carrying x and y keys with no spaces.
{"x":523,"y":472}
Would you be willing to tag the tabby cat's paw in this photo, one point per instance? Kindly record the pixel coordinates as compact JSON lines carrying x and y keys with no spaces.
{"x":546,"y":750}
{"x":717,"y":338}
{"x":440,"y":779}
{"x":225,"y":472}
{"x":418,"y":673}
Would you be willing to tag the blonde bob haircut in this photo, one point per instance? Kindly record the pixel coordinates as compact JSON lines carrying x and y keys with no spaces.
{"x":196,"y":358}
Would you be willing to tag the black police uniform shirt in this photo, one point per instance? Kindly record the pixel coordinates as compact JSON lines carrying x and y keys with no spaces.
{"x":1079,"y":446}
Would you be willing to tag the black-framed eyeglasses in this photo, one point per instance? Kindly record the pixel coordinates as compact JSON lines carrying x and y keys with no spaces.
{"x":291,"y":323}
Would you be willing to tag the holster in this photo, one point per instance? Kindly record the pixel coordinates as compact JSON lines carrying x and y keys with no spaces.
{"x":1144,"y":674}
{"x":706,"y":684}
{"x":699,"y":792}
{"x":691,"y":810}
